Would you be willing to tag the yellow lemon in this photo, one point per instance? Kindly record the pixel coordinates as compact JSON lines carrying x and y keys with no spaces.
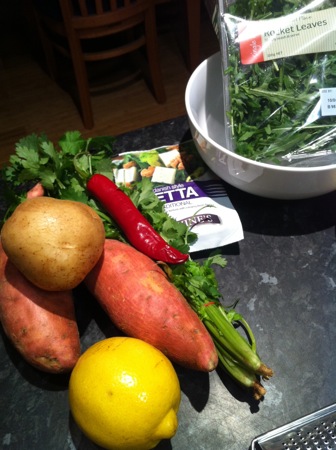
{"x":124,"y":394}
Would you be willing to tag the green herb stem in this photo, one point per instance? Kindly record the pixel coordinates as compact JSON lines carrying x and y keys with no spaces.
{"x":242,"y":376}
{"x":234,"y":343}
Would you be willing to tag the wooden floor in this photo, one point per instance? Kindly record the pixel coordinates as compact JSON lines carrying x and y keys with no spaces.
{"x":30,"y":102}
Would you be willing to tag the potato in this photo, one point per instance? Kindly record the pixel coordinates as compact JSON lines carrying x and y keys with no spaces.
{"x":54,"y":243}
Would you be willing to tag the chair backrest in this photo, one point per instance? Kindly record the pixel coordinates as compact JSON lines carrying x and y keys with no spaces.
{"x":93,"y":19}
{"x":85,"y":14}
{"x":90,"y":7}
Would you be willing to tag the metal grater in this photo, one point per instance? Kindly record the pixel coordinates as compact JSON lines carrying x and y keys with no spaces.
{"x":315,"y":431}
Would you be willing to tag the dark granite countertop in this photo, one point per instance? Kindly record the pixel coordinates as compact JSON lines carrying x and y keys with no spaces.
{"x":284,"y":275}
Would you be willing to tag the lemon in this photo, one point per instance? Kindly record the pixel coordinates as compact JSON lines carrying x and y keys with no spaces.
{"x":124,"y":394}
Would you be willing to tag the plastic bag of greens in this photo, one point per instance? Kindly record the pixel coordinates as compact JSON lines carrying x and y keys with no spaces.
{"x":279,"y":63}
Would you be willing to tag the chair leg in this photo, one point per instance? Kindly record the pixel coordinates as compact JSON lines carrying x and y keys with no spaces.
{"x":152,"y":50}
{"x":193,"y":13}
{"x":48,"y":50}
{"x":82,"y":86}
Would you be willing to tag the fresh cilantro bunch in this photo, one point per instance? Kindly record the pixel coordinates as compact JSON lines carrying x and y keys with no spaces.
{"x":202,"y":286}
{"x":64,"y":169}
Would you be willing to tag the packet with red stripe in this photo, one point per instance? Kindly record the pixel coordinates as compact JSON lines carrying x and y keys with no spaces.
{"x":279,"y":80}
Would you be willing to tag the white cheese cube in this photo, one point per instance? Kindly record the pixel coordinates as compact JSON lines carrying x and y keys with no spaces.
{"x":168,"y":157}
{"x":123,"y":176}
{"x":164,"y":175}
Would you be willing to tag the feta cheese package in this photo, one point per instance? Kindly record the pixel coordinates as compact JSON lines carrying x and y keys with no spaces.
{"x":191,"y":193}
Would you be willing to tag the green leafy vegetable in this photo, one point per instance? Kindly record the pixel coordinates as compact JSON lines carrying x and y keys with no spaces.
{"x":64,"y":170}
{"x":271,"y":111}
{"x":237,"y":355}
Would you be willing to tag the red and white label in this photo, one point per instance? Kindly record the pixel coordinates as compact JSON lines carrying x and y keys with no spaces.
{"x":295,"y":34}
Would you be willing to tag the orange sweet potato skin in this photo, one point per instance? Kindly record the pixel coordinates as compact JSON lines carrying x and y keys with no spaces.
{"x":142,"y":303}
{"x":41,"y":325}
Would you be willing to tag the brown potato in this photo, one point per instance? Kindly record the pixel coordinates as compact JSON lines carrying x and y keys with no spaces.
{"x":54,"y":243}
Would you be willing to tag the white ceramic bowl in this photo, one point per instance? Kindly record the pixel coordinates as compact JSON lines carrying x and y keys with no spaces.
{"x":204,"y":104}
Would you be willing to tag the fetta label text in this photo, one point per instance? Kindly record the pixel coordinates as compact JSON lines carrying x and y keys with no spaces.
{"x":182,"y":192}
{"x":294,"y":34}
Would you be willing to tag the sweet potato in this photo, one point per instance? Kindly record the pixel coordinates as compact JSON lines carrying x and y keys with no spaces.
{"x":142,"y":303}
{"x":36,"y":191}
{"x":40,"y":324}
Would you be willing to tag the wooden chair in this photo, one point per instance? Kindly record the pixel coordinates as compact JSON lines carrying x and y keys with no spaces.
{"x":130,"y":23}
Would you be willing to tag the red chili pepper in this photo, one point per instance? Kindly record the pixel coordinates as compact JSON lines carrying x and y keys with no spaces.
{"x":134,"y":225}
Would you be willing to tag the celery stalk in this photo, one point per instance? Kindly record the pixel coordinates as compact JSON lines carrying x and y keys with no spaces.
{"x":233,"y":341}
{"x":237,"y":354}
{"x":240,"y":374}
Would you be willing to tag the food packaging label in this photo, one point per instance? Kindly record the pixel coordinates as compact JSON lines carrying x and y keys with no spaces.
{"x":191,"y":193}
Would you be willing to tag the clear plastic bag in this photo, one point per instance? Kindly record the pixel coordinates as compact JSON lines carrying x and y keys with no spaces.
{"x":279,"y":75}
